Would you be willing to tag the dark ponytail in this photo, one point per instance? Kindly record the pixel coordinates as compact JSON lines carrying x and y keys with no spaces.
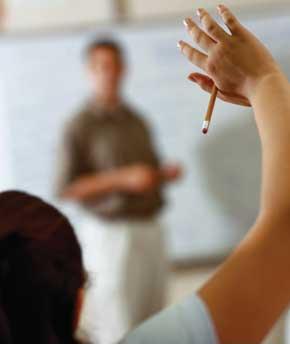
{"x":41,"y":272}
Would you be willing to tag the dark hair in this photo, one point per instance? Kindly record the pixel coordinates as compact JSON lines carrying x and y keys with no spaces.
{"x":41,"y":271}
{"x":106,"y":43}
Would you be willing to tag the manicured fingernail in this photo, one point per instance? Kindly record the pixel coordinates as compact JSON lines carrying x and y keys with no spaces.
{"x":180,"y":44}
{"x":187,"y":22}
{"x":192,"y":78}
{"x":198,"y":11}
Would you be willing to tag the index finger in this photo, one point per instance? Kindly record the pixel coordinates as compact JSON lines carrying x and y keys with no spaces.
{"x":193,"y":55}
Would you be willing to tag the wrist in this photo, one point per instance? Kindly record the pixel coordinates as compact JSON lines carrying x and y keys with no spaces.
{"x":255,"y":84}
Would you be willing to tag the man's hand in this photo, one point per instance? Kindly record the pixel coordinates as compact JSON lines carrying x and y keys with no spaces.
{"x":171,"y":173}
{"x":143,"y":178}
{"x":138,"y":179}
{"x":85,"y":187}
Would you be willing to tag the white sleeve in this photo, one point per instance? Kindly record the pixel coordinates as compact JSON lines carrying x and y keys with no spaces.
{"x":185,"y":323}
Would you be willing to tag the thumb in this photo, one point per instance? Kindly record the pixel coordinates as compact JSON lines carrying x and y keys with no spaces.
{"x":203,"y":81}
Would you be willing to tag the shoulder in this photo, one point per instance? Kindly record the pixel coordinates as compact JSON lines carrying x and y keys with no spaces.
{"x":131,"y":110}
{"x":186,"y":323}
{"x":75,"y":125}
{"x":135,"y":115}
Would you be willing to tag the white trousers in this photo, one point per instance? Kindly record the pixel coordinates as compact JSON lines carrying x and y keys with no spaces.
{"x":127,"y":267}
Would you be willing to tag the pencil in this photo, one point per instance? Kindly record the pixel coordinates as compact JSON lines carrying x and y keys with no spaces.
{"x":208,"y":116}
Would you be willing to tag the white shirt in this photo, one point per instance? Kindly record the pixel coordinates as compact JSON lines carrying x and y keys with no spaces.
{"x":185,"y":323}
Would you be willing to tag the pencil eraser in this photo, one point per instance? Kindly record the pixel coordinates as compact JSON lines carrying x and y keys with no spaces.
{"x":204,"y":130}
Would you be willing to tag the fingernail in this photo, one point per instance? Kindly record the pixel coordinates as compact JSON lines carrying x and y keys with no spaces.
{"x":198,"y":11}
{"x":192,"y":78}
{"x":187,"y":22}
{"x":180,"y":44}
{"x":220,"y":7}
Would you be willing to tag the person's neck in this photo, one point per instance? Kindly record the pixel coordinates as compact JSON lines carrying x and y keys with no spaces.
{"x":108,"y":102}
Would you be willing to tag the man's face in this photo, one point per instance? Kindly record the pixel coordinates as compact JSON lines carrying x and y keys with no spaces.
{"x":106,"y":71}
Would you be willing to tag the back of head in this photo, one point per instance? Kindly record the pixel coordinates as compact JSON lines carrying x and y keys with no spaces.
{"x":41,"y":272}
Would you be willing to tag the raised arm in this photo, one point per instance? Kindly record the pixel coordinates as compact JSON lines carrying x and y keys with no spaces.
{"x":251,"y":290}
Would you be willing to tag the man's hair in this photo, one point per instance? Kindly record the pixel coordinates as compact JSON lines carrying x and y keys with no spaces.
{"x":105,"y":43}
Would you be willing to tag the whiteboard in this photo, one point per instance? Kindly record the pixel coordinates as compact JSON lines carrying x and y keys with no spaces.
{"x":217,"y":201}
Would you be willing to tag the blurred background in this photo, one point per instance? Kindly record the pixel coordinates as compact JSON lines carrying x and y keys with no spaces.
{"x":43,"y":81}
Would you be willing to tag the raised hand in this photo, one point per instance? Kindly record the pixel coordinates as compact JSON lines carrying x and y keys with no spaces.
{"x":236,"y":62}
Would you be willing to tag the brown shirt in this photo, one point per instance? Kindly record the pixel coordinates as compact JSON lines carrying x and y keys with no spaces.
{"x":98,"y":140}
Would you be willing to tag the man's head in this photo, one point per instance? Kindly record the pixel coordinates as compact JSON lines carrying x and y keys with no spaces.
{"x":106,"y":67}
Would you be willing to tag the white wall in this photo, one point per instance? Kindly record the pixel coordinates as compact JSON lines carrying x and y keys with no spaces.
{"x":46,"y":14}
{"x":148,"y":8}
{"x":31,"y":14}
{"x":5,"y":163}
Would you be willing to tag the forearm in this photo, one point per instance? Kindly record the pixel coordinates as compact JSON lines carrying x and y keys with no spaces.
{"x":251,"y":290}
{"x":271,"y":104}
{"x":92,"y":186}
{"x":135,"y":179}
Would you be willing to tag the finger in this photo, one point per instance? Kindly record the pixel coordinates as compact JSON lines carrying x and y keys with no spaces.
{"x":201,"y":79}
{"x":193,"y":55}
{"x":229,"y":19}
{"x":170,"y":172}
{"x":207,"y":83}
{"x":211,"y":26}
{"x":199,"y":36}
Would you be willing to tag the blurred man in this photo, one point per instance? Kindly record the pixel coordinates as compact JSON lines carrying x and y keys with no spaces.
{"x":111,"y":168}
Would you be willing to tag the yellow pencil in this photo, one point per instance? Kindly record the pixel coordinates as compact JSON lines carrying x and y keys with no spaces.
{"x":208,"y":116}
